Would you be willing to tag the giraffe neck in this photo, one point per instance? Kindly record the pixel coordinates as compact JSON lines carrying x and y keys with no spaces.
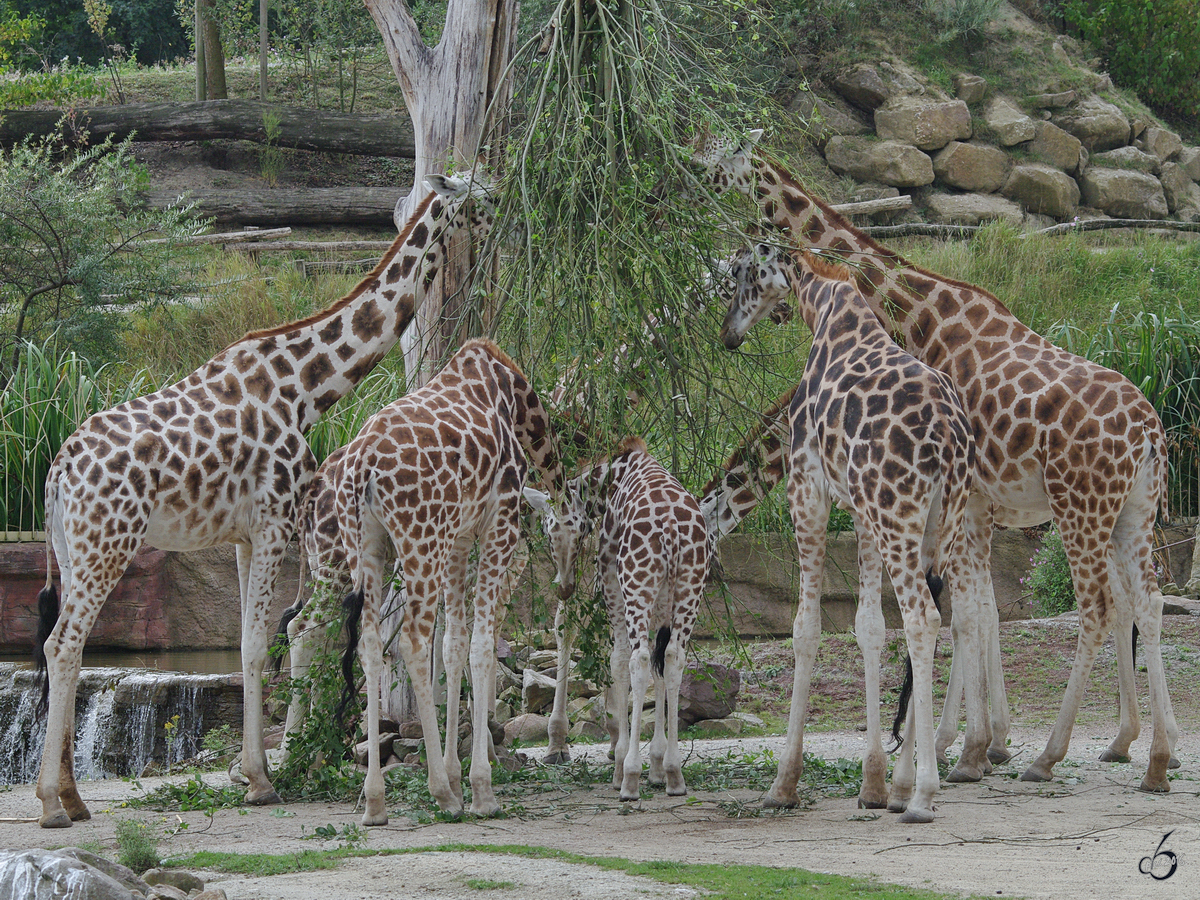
{"x":911,"y":302}
{"x":750,"y":473}
{"x":310,"y":364}
{"x":602,"y":477}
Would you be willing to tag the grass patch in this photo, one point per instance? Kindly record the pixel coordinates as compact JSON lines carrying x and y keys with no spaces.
{"x":719,"y":882}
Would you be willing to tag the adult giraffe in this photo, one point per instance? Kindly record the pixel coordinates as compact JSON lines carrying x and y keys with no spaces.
{"x":219,"y":457}
{"x":1058,"y":438}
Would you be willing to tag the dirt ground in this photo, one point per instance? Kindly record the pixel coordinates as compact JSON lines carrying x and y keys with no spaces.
{"x":1084,"y":835}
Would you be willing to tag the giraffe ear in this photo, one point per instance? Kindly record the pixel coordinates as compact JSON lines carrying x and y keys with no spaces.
{"x":538,"y":500}
{"x":752,"y":138}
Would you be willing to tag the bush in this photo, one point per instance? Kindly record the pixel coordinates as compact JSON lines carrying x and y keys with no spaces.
{"x":1049,"y":578}
{"x":1152,"y":46}
{"x":137,"y":846}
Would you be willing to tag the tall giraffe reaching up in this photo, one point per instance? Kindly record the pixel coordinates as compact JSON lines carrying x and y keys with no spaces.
{"x":652,"y":560}
{"x":884,"y":436}
{"x":435,"y":473}
{"x":1057,"y":437}
{"x":219,"y":457}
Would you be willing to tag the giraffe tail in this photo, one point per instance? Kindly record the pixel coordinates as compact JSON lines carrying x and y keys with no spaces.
{"x":47,"y":602}
{"x":658,"y":659}
{"x":353,"y":605}
{"x":935,"y":589}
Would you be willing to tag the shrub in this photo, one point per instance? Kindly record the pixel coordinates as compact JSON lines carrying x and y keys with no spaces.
{"x":1049,"y":578}
{"x":137,"y":846}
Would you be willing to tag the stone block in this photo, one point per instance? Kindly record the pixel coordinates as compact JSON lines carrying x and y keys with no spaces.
{"x":923,"y":124}
{"x":1130,"y":158}
{"x":1009,"y":123}
{"x":529,"y":728}
{"x":1098,"y":124}
{"x":1042,"y":189}
{"x":1124,"y":194}
{"x":969,"y":89}
{"x":708,"y":691}
{"x":1056,"y":147}
{"x":972,"y":167}
{"x":824,"y":119}
{"x":1176,"y":185}
{"x":972,"y":209}
{"x":1055,"y":100}
{"x":1189,"y":158}
{"x":1160,"y":143}
{"x":537,"y":691}
{"x":862,"y":86}
{"x":719,"y":728}
{"x":887,"y":162}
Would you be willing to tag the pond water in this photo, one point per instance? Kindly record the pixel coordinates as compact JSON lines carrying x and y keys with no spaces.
{"x":194,"y":662}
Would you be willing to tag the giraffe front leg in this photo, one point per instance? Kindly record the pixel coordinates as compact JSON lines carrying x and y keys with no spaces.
{"x":1127,"y":732}
{"x":258,"y":567}
{"x":558,"y":753}
{"x":370,"y":650}
{"x":673,"y":678}
{"x":56,"y":788}
{"x":617,"y":705}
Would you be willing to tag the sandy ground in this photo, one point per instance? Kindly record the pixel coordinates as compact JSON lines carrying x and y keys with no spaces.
{"x":1083,"y":835}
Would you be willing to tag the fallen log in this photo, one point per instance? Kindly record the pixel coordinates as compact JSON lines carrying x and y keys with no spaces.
{"x":274,"y":207}
{"x":244,"y":120}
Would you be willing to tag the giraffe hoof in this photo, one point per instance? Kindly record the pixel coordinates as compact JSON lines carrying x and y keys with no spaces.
{"x":57,"y":819}
{"x":897,"y":806}
{"x":775,"y":803}
{"x":1111,"y":756}
{"x":486,"y":810}
{"x":964,"y":776}
{"x":1032,"y":774}
{"x":1154,"y":787}
{"x":267,"y":798}
{"x":998,"y":755}
{"x":917,"y":817}
{"x":1174,"y":763}
{"x":557,"y":758}
{"x":872,"y":802}
{"x":379,"y":818}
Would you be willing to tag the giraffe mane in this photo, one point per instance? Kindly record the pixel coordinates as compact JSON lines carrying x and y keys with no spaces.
{"x":491,"y":349}
{"x":825,"y":268}
{"x":841,"y":222}
{"x":355,"y":292}
{"x":630,"y":444}
{"x":765,"y":418}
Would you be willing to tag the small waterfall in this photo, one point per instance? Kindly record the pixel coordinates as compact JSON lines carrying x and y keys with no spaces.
{"x":125,"y":719}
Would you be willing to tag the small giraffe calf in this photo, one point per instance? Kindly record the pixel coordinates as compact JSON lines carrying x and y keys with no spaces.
{"x":652,"y":562}
{"x":884,"y":436}
{"x":437,"y":472}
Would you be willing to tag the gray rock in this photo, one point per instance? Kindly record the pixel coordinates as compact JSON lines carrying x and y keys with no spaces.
{"x":972,"y":209}
{"x":211,"y":894}
{"x":1043,"y":189}
{"x":528,"y":727}
{"x":1056,"y":147}
{"x":48,"y":875}
{"x":862,"y":86}
{"x":1128,"y":158}
{"x":924,"y":124}
{"x":589,"y":730}
{"x":708,"y":691}
{"x":1160,"y":143}
{"x":176,"y":878}
{"x":1187,"y":206}
{"x":824,"y":119}
{"x":1009,"y":122}
{"x":888,"y":162}
{"x":537,"y":691}
{"x":969,"y":88}
{"x":1052,"y":101}
{"x":1176,"y":185}
{"x":1124,"y":194}
{"x":1098,"y":124}
{"x":972,"y":167}
{"x":1189,"y":158}
{"x":121,"y":873}
{"x":717,"y":728}
{"x":166,"y":892}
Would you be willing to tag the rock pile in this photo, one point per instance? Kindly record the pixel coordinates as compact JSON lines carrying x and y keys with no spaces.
{"x":979,"y":156}
{"x":73,"y":872}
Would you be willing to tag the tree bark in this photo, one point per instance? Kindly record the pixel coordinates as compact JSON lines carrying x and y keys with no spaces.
{"x":263,"y":46}
{"x":214,"y":54}
{"x":273,"y":207}
{"x":299,"y":129}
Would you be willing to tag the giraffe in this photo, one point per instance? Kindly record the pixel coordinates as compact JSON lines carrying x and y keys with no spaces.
{"x":652,"y":561}
{"x":884,"y":436}
{"x":219,"y":457}
{"x":1058,"y":438}
{"x":437,"y":472}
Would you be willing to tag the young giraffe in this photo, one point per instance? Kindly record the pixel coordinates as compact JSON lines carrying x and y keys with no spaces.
{"x":437,"y":472}
{"x":652,"y":563}
{"x":884,"y":436}
{"x":219,"y":457}
{"x":1058,"y":438}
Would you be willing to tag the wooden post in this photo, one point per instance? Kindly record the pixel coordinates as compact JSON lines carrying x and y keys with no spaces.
{"x":262,"y":49}
{"x":201,"y":68}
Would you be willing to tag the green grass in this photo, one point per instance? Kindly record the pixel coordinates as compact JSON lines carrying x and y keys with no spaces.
{"x":717,"y":881}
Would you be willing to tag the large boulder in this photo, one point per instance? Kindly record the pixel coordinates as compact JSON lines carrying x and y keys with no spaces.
{"x":1189,"y":158}
{"x":1008,"y":122}
{"x":972,"y":209}
{"x":926,"y":125}
{"x":1043,"y":189}
{"x":708,"y":691}
{"x":887,"y":162}
{"x":1160,"y":143}
{"x":969,"y":89}
{"x":863,"y":87}
{"x":1055,"y":147}
{"x":1128,"y":158}
{"x":972,"y":167}
{"x":1124,"y":194}
{"x":824,"y":119}
{"x":1177,"y":186}
{"x":1098,"y":124}
{"x":537,"y":690}
{"x":50,"y":875}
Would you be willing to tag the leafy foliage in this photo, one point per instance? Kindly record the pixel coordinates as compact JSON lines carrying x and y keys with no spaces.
{"x":137,"y":846}
{"x":78,"y":248}
{"x":1152,"y":46}
{"x":1049,"y":577}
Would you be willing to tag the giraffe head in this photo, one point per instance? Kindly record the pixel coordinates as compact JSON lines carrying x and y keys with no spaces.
{"x":566,"y":525}
{"x":726,"y":163}
{"x":471,"y":202}
{"x":761,"y":286}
